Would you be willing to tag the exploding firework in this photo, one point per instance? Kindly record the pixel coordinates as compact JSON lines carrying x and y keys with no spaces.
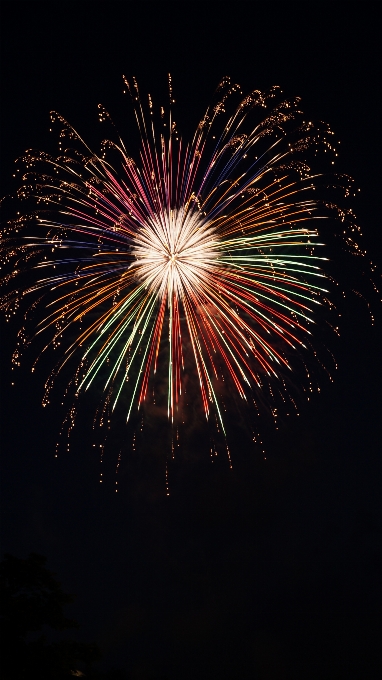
{"x":196,"y":262}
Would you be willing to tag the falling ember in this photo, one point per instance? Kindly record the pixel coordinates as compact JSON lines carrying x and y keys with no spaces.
{"x":208,"y":249}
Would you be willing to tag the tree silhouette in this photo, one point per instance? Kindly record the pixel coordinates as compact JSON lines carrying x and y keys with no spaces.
{"x":32,"y":601}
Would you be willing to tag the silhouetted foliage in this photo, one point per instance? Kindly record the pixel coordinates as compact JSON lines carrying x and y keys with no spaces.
{"x":32,"y":601}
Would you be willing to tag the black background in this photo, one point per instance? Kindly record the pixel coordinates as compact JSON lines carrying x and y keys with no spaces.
{"x":270,"y":570}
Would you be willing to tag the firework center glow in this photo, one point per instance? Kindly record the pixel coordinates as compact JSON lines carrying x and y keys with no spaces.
{"x":174,"y":252}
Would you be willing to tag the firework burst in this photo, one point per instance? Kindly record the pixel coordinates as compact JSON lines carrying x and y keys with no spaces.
{"x":208,"y":249}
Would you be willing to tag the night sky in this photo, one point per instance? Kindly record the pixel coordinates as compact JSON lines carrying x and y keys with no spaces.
{"x":271,"y":570}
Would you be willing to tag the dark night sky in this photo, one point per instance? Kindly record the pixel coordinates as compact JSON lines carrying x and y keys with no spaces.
{"x":271,"y":570}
